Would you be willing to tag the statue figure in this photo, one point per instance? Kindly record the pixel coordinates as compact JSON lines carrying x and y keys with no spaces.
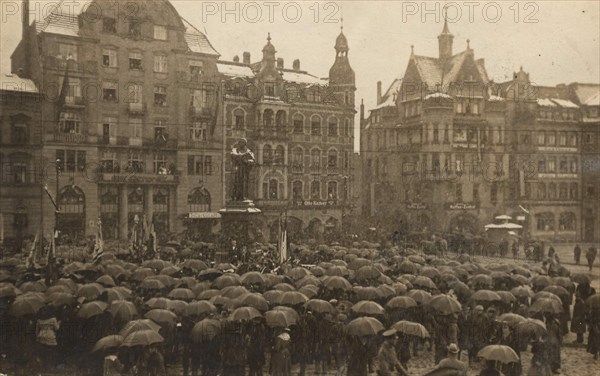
{"x":243,"y":159}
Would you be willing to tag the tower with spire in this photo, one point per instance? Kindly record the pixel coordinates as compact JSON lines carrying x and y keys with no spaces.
{"x":341,"y":75}
{"x":445,"y":40}
{"x":268,"y":70}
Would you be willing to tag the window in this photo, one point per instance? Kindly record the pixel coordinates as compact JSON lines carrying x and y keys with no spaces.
{"x":572,"y":139}
{"x":332,"y":129}
{"x":563,"y":191}
{"x":200,"y":165}
{"x":108,"y":162}
{"x":551,"y":139}
{"x":20,"y":134}
{"x":563,"y":166}
{"x":135,"y":60}
{"x":198,"y":131}
{"x":332,"y":190}
{"x":160,"y":96}
{"x":109,"y":91}
{"x":135,"y":163}
{"x":566,"y":221}
{"x":271,"y":189}
{"x":71,"y":160}
{"x":160,"y":164}
{"x":562,"y":139}
{"x":199,"y":99}
{"x":315,"y":189}
{"x":332,"y":158}
{"x":267,"y":154}
{"x":109,"y":25}
{"x":590,"y":191}
{"x":541,"y":166}
{"x":298,"y":123}
{"x":134,"y":93}
{"x":160,"y":131}
{"x":541,"y":139}
{"x":551,"y":191}
{"x":269,"y":89}
{"x":268,"y":118}
{"x":298,"y":157}
{"x":279,"y":156}
{"x":574,"y":165}
{"x":436,"y":134}
{"x":459,"y":108}
{"x":109,"y":130}
{"x":545,"y":221}
{"x":135,"y":28}
{"x":208,"y":165}
{"x":280,"y":119}
{"x":347,"y":128}
{"x":160,"y":63}
{"x":315,"y":158}
{"x":589,"y":138}
{"x":541,"y":191}
{"x":160,"y":32}
{"x":494,"y":193}
{"x":346,"y":159}
{"x":196,"y":67}
{"x":315,"y":125}
{"x":69,"y":122}
{"x":67,"y":51}
{"x":458,"y":196}
{"x":199,"y":200}
{"x":574,"y":191}
{"x":551,"y":165}
{"x":135,"y":126}
{"x":109,"y":58}
{"x":297,"y":190}
{"x":19,"y":172}
{"x":475,"y":108}
{"x":239,"y":117}
{"x":475,"y":192}
{"x":73,"y":89}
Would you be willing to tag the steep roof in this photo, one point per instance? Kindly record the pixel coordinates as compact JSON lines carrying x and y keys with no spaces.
{"x":63,"y":20}
{"x":587,"y":93}
{"x":233,"y":69}
{"x":434,"y":71}
{"x":388,"y":99}
{"x":12,"y":82}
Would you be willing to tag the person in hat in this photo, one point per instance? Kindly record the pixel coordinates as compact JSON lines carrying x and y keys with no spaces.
{"x":452,"y":361}
{"x":590,"y":255}
{"x":577,"y":254}
{"x":281,"y":358}
{"x":112,"y":364}
{"x":386,"y":360}
{"x":540,"y":363}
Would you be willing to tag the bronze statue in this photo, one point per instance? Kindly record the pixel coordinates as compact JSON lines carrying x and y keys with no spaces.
{"x":243,"y":159}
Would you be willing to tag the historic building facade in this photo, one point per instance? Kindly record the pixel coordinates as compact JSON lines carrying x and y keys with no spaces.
{"x":128,"y":103}
{"x":433,"y":147}
{"x":300,"y":128}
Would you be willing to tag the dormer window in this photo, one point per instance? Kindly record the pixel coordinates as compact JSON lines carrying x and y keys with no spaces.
{"x":195,"y":67}
{"x":160,"y":32}
{"x":67,"y":51}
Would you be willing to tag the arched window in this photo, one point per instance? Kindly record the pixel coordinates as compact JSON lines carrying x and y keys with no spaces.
{"x":298,"y":123}
{"x":541,"y":190}
{"x":545,"y":221}
{"x":315,"y":125}
{"x":315,"y":189}
{"x":71,"y":200}
{"x":267,"y":154}
{"x":567,"y":221}
{"x":332,"y":190}
{"x":552,"y":191}
{"x":297,"y":157}
{"x":268,"y":118}
{"x":279,"y":156}
{"x":239,"y":118}
{"x":574,"y":191}
{"x":297,"y":190}
{"x":271,"y":189}
{"x":315,"y":158}
{"x":332,"y":158}
{"x":280,"y":119}
{"x":199,"y":200}
{"x":332,"y":127}
{"x":346,"y":127}
{"x":160,"y":200}
{"x":563,"y":191}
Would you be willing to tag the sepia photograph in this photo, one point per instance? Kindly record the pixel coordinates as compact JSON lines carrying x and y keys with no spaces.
{"x":309,"y":187}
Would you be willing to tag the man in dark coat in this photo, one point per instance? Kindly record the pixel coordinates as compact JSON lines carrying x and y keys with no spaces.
{"x":577,"y":254}
{"x":579,"y":318}
{"x":590,"y":255}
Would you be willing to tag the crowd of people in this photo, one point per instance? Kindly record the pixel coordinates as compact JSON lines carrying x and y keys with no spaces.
{"x":345,"y":310}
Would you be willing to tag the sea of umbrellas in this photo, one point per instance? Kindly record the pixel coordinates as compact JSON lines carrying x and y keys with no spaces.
{"x":367,"y":288}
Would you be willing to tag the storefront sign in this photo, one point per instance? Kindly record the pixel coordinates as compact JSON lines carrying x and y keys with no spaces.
{"x":462,"y":206}
{"x":204,"y":215}
{"x":416,"y":206}
{"x":314,"y":203}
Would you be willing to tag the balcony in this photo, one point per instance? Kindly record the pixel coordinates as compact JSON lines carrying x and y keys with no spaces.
{"x":137,"y":108}
{"x":270,"y":133}
{"x":67,"y":138}
{"x":87,"y":67}
{"x":205,"y":111}
{"x":137,"y":178}
{"x":74,"y":102}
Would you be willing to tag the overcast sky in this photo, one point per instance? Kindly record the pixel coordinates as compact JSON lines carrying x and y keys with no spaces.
{"x":555,"y":41}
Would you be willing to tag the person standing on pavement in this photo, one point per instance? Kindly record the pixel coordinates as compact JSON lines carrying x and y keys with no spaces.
{"x":590,"y":255}
{"x":386,"y":360}
{"x":577,"y":254}
{"x":452,"y":361}
{"x":578,"y":324}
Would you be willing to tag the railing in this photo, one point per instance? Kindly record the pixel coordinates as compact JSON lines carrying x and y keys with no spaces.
{"x":67,"y":138}
{"x":137,"y":108}
{"x":138,"y":177}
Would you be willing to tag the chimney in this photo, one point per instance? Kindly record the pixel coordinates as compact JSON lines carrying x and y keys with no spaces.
{"x":296,"y":65}
{"x":280,"y":62}
{"x":25,"y":25}
{"x":378,"y":92}
{"x":236,"y":59}
{"x":246,"y":57}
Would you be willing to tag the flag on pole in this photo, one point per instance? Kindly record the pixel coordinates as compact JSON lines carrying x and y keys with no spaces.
{"x":31,"y":259}
{"x":99,"y":245}
{"x":282,"y":239}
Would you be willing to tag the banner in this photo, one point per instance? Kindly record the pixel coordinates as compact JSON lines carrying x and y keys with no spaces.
{"x":282,"y":239}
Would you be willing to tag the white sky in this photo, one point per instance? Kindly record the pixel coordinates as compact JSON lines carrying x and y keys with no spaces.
{"x":558,"y":43}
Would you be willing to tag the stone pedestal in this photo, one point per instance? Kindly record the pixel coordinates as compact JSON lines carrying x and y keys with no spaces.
{"x":237,"y":223}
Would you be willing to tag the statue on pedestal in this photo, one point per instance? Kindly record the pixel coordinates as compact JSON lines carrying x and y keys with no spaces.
{"x":243,"y":160}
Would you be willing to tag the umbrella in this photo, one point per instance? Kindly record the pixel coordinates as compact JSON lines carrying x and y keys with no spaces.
{"x":319,"y":306}
{"x":170,"y":270}
{"x":177,"y":306}
{"x":205,"y":295}
{"x":158,"y":303}
{"x":142,"y":273}
{"x":541,"y":281}
{"x":545,"y":305}
{"x":559,"y":291}
{"x":113,"y":294}
{"x":358,"y":263}
{"x":309,"y":290}
{"x":59,"y":299}
{"x":364,"y":326}
{"x":285,"y":287}
{"x":593,"y":301}
{"x":122,"y":310}
{"x":308,"y":280}
{"x":254,"y":300}
{"x":430,"y":272}
{"x":114,"y":271}
{"x":401,"y":302}
{"x":37,"y":286}
{"x":506,"y":296}
{"x":226,"y":280}
{"x":182,"y":294}
{"x":209,"y":274}
{"x":155,"y":264}
{"x":564,"y":282}
{"x":91,"y":309}
{"x":420,"y":296}
{"x":335,"y":282}
{"x":366,"y":272}
{"x":366,"y":293}
{"x":23,"y":306}
{"x":522,"y":292}
{"x":199,"y":308}
{"x":245,"y":314}
{"x":233,"y":292}
{"x":138,"y":325}
{"x":500,"y":353}
{"x":292,"y":298}
{"x":531,"y":328}
{"x":486,"y":296}
{"x":481,"y":279}
{"x":152,"y":284}
{"x":445,"y":304}
{"x":422,"y":281}
{"x":106,"y":281}
{"x":546,"y":295}
{"x":252,"y":278}
{"x":195,"y":265}
{"x":90,"y":291}
{"x":142,"y":338}
{"x":108,"y":342}
{"x":225,"y":266}
{"x":411,"y":328}
{"x":50,"y":291}
{"x":161,"y":316}
{"x":581,"y":278}
{"x":281,"y":318}
{"x":205,"y":330}
{"x":273,"y":296}
{"x":367,"y":308}
{"x":512,"y":319}
{"x":386,"y":291}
